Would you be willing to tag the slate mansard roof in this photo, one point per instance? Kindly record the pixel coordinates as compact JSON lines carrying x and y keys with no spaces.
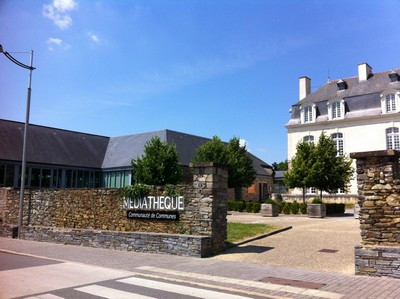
{"x":75,"y":149}
{"x":362,"y":98}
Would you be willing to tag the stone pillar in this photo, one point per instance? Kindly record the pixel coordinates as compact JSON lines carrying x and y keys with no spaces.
{"x":378,"y":179}
{"x":210,"y":181}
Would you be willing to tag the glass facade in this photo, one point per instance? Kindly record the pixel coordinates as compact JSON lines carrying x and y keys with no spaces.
{"x":37,"y":176}
{"x":116,"y":179}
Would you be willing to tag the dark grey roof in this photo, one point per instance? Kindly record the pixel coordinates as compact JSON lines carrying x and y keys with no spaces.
{"x":121,"y":150}
{"x":51,"y":146}
{"x":61,"y":147}
{"x":279,"y":174}
{"x":376,"y":83}
{"x":361,"y":98}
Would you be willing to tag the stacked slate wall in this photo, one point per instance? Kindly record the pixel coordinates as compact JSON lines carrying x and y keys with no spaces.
{"x":95,"y":217}
{"x":378,"y":178}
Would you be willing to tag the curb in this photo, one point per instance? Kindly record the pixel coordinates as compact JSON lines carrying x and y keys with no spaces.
{"x":277,"y":231}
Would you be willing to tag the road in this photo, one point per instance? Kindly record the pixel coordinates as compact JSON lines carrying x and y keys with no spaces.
{"x":32,"y":277}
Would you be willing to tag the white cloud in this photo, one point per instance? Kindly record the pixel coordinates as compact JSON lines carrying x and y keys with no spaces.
{"x":57,"y":12}
{"x":57,"y":42}
{"x":93,"y":37}
{"x":242,"y":142}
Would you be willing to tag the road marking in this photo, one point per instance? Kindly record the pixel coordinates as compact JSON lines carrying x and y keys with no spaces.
{"x":245,"y":283}
{"x":110,"y":293}
{"x":45,"y":296}
{"x":175,"y":288}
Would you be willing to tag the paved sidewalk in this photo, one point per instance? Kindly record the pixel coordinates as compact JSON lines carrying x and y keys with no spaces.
{"x":244,"y":277}
{"x":300,"y":247}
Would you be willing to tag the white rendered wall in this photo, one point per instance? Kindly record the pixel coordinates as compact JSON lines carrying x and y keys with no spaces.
{"x":359,"y":135}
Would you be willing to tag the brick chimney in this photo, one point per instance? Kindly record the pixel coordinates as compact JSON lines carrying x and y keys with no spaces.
{"x":304,"y":87}
{"x":364,"y":71}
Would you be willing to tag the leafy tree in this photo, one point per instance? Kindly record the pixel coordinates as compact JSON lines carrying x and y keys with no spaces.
{"x":330,"y":170}
{"x":159,"y":164}
{"x":281,"y":165}
{"x":240,"y":165}
{"x":319,"y":166}
{"x":301,"y":174}
{"x":212,"y":151}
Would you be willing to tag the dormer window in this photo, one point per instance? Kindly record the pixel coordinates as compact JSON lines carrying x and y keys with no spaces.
{"x":342,"y":85}
{"x":390,"y":102}
{"x":336,"y":109}
{"x":394,"y":77}
{"x":308,"y":113}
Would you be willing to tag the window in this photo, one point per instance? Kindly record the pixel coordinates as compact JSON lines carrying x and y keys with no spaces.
{"x":340,"y":191}
{"x":390,"y":100}
{"x":336,"y":111}
{"x":392,"y":138}
{"x":309,"y":139}
{"x":308,"y":114}
{"x":338,"y":139}
{"x":336,"y":108}
{"x":310,"y":190}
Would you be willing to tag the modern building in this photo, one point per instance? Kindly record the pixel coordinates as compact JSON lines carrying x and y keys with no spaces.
{"x":360,"y":113}
{"x":58,"y":158}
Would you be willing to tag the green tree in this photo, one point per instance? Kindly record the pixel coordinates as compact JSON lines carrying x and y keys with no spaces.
{"x":212,"y":151}
{"x":240,"y":165}
{"x":300,"y":175}
{"x":330,"y":170}
{"x":281,"y":165}
{"x":159,"y":164}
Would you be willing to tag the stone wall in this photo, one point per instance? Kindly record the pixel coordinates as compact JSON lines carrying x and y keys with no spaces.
{"x":378,"y":179}
{"x":101,"y":210}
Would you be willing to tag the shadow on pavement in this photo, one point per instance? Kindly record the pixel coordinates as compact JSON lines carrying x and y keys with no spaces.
{"x":249,"y":249}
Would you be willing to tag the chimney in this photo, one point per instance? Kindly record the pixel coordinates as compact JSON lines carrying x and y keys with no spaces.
{"x":304,"y":87}
{"x":364,"y":71}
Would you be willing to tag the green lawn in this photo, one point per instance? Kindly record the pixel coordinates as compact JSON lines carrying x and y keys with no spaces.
{"x":241,"y":231}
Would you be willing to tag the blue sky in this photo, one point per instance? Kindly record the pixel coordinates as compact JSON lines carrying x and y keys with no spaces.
{"x":226,"y":68}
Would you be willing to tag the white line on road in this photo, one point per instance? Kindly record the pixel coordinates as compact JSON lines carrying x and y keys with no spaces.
{"x":110,"y":293}
{"x":45,"y":296}
{"x":175,"y":288}
{"x":241,"y":282}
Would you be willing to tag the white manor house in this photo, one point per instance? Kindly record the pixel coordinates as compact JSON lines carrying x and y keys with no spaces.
{"x":360,"y":114}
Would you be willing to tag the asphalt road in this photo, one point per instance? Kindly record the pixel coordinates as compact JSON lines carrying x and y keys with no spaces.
{"x":32,"y":277}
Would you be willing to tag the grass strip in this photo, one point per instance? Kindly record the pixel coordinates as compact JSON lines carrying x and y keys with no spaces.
{"x":241,"y":231}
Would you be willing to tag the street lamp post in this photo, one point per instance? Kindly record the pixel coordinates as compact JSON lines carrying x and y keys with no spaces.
{"x":28,"y":105}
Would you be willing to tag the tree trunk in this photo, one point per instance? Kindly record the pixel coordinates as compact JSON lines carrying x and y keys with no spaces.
{"x":238,"y":193}
{"x":304,"y":194}
{"x":320,"y":194}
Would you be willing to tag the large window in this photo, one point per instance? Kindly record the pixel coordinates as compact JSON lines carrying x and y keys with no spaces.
{"x":392,"y":138}
{"x":336,"y":111}
{"x":308,"y":114}
{"x":308,"y":138}
{"x":310,"y":190}
{"x":390,"y":101}
{"x":338,"y":139}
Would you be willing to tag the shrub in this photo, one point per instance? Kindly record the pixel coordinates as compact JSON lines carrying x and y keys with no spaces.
{"x":270,"y":201}
{"x":286,"y":208}
{"x":280,"y":205}
{"x":249,"y":206}
{"x":240,"y":205}
{"x":303,"y":208}
{"x":294,"y":208}
{"x":231,"y":205}
{"x":256,"y":207}
{"x":135,"y":191}
{"x":317,"y":200}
